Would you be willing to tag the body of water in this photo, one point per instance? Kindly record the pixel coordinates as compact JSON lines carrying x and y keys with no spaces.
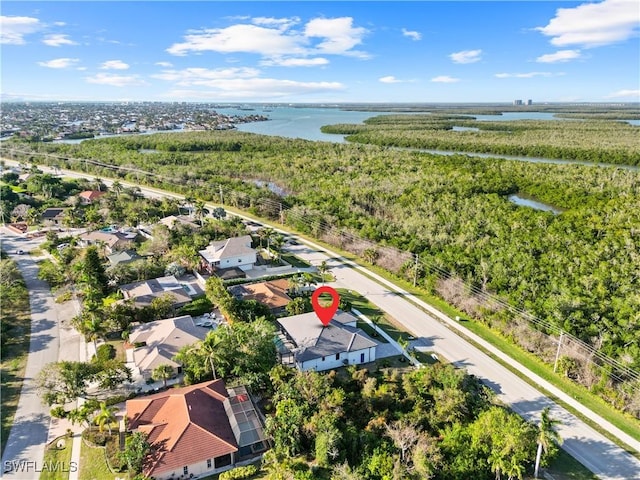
{"x":305,"y":123}
{"x":302,"y":123}
{"x":530,"y":202}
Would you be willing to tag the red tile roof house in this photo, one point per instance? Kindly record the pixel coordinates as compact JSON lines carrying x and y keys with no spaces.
{"x":197,"y":430}
{"x":89,"y":196}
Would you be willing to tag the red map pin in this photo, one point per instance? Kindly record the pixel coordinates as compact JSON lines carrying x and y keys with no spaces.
{"x":325,"y":314}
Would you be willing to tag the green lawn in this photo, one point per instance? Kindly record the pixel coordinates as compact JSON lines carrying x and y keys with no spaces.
{"x":60,"y":457}
{"x":119,"y":347}
{"x":93,"y":465}
{"x":294,"y":261}
{"x":565,"y":467}
{"x":16,"y":329}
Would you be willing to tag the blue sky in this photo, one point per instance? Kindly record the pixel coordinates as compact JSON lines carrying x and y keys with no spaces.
{"x":454,"y":51}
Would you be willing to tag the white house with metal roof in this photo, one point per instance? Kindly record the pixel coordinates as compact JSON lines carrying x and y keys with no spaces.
{"x":230,"y":253}
{"x":319,"y":348}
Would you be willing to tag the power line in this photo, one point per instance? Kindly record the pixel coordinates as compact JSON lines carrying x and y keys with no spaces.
{"x":318,"y":225}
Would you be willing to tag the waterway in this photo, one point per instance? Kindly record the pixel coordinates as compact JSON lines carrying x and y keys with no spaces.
{"x":525,"y":201}
{"x":305,"y":123}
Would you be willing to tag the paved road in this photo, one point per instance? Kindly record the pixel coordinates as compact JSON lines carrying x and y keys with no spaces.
{"x":600,"y":455}
{"x":591,"y":448}
{"x":30,"y":430}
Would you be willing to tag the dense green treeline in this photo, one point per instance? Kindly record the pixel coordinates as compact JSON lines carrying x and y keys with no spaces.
{"x":579,"y":270}
{"x":436,"y":422}
{"x":591,"y":141}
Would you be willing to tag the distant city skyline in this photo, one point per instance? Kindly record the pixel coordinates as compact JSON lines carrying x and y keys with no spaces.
{"x":321,"y":52}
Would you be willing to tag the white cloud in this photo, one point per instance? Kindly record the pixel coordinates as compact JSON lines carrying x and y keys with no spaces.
{"x":60,"y":63}
{"x":116,"y":80}
{"x":594,"y":24}
{"x":164,"y":64}
{"x":339,"y":35}
{"x":389,"y":79}
{"x":275,"y":39}
{"x":237,"y":82}
{"x":295,"y":62}
{"x":528,"y":75}
{"x":114,"y":65}
{"x":280,"y":23}
{"x":412,"y":34}
{"x":256,"y":88}
{"x":200,"y":76}
{"x":57,"y":40}
{"x":240,"y":38}
{"x":466,"y":56}
{"x":559,"y":56}
{"x":625,"y":94}
{"x":445,"y":79}
{"x":14,"y":29}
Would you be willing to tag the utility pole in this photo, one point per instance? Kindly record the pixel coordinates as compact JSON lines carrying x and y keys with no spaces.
{"x":555,"y":363}
{"x":415,"y":270}
{"x":221,"y":197}
{"x":281,"y":215}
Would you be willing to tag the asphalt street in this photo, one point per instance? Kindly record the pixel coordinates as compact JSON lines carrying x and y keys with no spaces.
{"x":591,"y":448}
{"x":30,"y":428}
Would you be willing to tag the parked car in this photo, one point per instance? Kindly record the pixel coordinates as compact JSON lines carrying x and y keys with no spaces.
{"x":19,"y":252}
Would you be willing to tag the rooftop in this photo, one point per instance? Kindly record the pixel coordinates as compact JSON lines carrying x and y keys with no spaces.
{"x":314,"y":340}
{"x":189,"y":424}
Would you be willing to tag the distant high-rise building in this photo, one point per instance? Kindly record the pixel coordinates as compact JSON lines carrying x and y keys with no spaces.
{"x":529,"y":102}
{"x":517,"y":102}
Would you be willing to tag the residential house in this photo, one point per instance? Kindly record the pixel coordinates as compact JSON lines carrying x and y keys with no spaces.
{"x":156,"y":343}
{"x":143,"y":293}
{"x":123,"y":256}
{"x":230,"y":253}
{"x":89,"y":196}
{"x":273,"y":294}
{"x":173,"y":221}
{"x":317,"y":347}
{"x":110,"y":241}
{"x":198,"y":430}
{"x":53,"y":216}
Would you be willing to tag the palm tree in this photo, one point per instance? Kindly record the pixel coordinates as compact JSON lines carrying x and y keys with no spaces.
{"x":117,"y":188}
{"x":547,"y":436}
{"x":93,"y":329}
{"x":209,"y":347}
{"x":295,"y":283}
{"x":106,"y":416}
{"x":265,"y":233}
{"x":199,"y":211}
{"x":308,"y":279}
{"x":322,"y":269}
{"x":277,"y":242}
{"x":163,"y":372}
{"x":370,"y":255}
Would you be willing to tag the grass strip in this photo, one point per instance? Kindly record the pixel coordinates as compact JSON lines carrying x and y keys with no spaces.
{"x":16,"y":335}
{"x":93,"y":465}
{"x":60,"y":458}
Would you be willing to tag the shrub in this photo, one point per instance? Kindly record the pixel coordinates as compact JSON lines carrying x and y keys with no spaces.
{"x":58,"y":412}
{"x":239,"y":473}
{"x":197,"y":307}
{"x":95,"y":437}
{"x":105,"y":352}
